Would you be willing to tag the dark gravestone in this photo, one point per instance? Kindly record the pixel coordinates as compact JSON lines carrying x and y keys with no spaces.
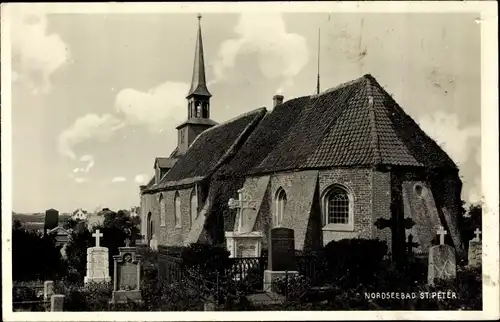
{"x":127,"y":273}
{"x":281,"y":256}
{"x":51,"y":219}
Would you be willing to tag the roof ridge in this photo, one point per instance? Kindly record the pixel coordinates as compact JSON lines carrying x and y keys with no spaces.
{"x":342,"y":85}
{"x":234,"y":119}
{"x":233,"y":149}
{"x":377,"y":159}
{"x":256,"y":115}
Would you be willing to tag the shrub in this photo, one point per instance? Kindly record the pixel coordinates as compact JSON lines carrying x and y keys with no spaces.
{"x":205,"y":256}
{"x":354,"y":260}
{"x":88,"y":297}
{"x":294,"y":287}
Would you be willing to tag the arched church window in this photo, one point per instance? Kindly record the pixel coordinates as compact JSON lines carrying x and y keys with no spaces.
{"x":338,"y":209}
{"x":198,"y":109}
{"x":177,"y":209}
{"x":193,"y":205}
{"x":280,"y":203}
{"x":162,"y":211}
{"x":150,"y":230}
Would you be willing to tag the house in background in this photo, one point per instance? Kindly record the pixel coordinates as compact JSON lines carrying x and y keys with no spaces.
{"x":79,"y":214}
{"x":135,"y":211}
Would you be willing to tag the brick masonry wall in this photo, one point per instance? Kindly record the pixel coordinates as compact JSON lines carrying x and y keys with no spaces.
{"x":381,"y":203}
{"x":359,"y":183}
{"x":169,"y":234}
{"x":149,"y":205}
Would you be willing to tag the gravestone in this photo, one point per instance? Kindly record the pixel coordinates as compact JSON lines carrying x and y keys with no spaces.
{"x":48,"y":289}
{"x":97,"y":262}
{"x":281,"y":256}
{"x":243,"y":242}
{"x":246,"y":248}
{"x":475,"y":250}
{"x":51,"y":219}
{"x":57,"y":303}
{"x":153,"y":243}
{"x":442,"y":260}
{"x":127,"y":276}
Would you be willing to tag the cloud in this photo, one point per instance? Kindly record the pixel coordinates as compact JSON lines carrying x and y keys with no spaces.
{"x":474,"y":194}
{"x":141,"y":178}
{"x":36,"y":53}
{"x":281,"y":55}
{"x":90,"y":126}
{"x":80,"y":180}
{"x":118,"y":179}
{"x":161,"y":107}
{"x":460,"y":143}
{"x":90,"y":163}
{"x":445,"y":129}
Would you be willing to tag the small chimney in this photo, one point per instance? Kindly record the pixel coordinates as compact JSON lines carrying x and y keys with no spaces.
{"x":277,"y":100}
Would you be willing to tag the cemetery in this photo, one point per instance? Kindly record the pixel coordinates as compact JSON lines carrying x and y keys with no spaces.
{"x":129,"y":275}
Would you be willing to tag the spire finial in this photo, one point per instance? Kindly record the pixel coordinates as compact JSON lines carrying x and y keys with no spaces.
{"x":199,"y":16}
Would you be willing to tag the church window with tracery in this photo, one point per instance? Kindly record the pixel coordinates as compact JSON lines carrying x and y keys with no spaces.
{"x":162,"y":211}
{"x":194,"y":205}
{"x":279,"y":212}
{"x":177,"y":210}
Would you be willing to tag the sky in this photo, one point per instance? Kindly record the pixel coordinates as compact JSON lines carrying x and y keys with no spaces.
{"x":96,"y":97}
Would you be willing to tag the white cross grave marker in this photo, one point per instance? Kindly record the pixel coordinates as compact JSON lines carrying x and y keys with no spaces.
{"x":241,"y":204}
{"x":477,"y":232}
{"x":441,"y":232}
{"x":97,"y":236}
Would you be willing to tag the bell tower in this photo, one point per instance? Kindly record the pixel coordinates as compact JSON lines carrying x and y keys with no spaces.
{"x":198,"y":99}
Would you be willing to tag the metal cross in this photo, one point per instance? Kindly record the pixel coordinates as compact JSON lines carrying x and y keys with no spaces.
{"x":477,"y":232}
{"x":441,"y":232}
{"x":97,"y":236}
{"x":411,"y":244}
{"x":241,"y":204}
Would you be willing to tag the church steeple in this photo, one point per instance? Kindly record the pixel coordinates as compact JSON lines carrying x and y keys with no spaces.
{"x":198,"y":98}
{"x":198,"y":82}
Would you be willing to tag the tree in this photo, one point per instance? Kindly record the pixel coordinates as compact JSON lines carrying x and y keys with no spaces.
{"x":35,"y":256}
{"x":71,"y":223}
{"x":16,"y":224}
{"x":471,"y":221}
{"x":116,"y":227}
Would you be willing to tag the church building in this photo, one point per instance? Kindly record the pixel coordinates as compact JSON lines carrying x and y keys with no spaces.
{"x":330,"y":166}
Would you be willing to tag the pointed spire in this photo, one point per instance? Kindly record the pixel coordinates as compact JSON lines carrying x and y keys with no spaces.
{"x":198,"y":83}
{"x":319,"y":45}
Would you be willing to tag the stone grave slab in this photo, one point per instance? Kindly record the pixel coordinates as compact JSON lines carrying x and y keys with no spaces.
{"x":281,"y":256}
{"x":127,"y":276}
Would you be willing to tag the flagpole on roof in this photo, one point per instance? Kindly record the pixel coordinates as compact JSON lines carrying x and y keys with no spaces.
{"x":319,"y":45}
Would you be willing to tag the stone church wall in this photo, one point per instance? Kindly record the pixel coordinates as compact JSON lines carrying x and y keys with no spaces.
{"x":171,"y":234}
{"x":299,"y":188}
